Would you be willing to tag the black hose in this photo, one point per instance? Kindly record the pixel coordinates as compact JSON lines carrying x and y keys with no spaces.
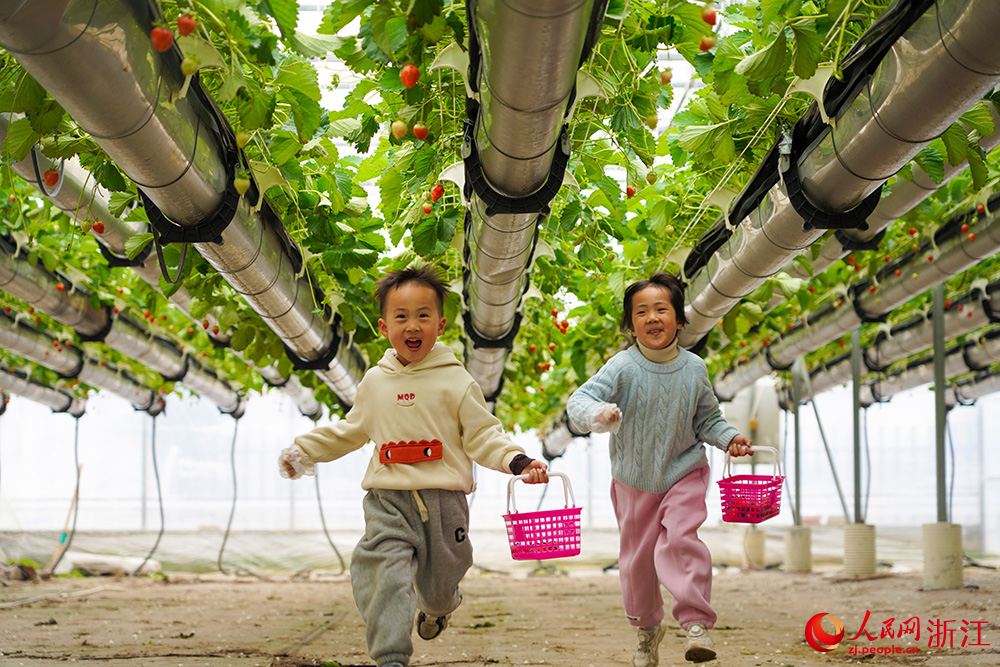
{"x":159,"y":497}
{"x":232,"y":511}
{"x":322,"y":518}
{"x":76,"y":505}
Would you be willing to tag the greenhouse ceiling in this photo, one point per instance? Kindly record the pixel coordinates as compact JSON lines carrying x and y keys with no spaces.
{"x":183,"y":214}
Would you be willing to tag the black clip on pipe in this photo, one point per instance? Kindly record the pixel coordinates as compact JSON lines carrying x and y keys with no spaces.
{"x":536,"y":202}
{"x":848,"y":244}
{"x":816,"y":218}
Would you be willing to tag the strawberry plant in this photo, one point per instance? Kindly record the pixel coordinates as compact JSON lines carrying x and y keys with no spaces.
{"x":269,"y":86}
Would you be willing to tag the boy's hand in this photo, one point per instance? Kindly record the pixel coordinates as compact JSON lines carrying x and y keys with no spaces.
{"x":740,"y":446}
{"x":293,"y":463}
{"x":537,"y":472}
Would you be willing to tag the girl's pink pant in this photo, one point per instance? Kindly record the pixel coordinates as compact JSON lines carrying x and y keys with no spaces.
{"x":660,"y":545}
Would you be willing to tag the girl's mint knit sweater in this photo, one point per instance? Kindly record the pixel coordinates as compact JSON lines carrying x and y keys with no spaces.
{"x":668,"y":410}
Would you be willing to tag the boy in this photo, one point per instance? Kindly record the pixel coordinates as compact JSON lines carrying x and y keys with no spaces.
{"x":429,"y":422}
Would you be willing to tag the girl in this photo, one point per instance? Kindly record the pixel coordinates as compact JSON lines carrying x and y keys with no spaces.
{"x":656,"y":400}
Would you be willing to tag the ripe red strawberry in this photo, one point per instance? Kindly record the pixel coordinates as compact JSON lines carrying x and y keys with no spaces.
{"x":420,"y":131}
{"x":555,"y":313}
{"x":186,"y":24}
{"x":898,"y":272}
{"x":552,"y":347}
{"x":437,"y":192}
{"x":161,"y":38}
{"x":850,"y":259}
{"x":630,"y":192}
{"x":708,"y":14}
{"x":531,"y":348}
{"x":980,"y":208}
{"x":913,"y":231}
{"x":409,"y":75}
{"x":215,"y":330}
{"x":98,"y":227}
{"x":812,"y":290}
{"x":51,"y":177}
{"x":872,"y":289}
{"x":947,"y":305}
{"x":190,"y":330}
{"x":204,"y":324}
{"x":965,"y":228}
{"x":60,"y":287}
{"x":707,"y":43}
{"x":972,"y":236}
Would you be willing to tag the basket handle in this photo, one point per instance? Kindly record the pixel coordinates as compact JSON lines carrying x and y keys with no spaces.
{"x":567,"y":490}
{"x":754,"y":450}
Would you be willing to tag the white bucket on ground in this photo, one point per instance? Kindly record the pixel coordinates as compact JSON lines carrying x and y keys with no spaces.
{"x":859,"y":549}
{"x":798,"y":549}
{"x":942,"y":556}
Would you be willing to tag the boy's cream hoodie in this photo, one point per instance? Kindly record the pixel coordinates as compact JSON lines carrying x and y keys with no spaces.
{"x":435,"y":398}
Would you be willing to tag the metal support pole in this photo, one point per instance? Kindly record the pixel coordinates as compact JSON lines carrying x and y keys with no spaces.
{"x":145,"y":478}
{"x":940,"y":415}
{"x":796,"y":399}
{"x":856,"y":375}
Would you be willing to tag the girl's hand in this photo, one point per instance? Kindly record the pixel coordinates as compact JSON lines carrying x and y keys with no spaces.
{"x":740,"y":446}
{"x":607,"y":418}
{"x":537,"y":472}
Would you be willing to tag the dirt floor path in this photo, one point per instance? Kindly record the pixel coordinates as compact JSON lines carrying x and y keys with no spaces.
{"x":564,"y":619}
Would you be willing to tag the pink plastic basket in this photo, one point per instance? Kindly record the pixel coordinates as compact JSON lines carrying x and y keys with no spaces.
{"x":546,"y":534}
{"x":751,"y":498}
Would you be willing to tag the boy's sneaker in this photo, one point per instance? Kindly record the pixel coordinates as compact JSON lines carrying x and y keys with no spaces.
{"x":429,"y":627}
{"x":647,"y":646}
{"x":699,"y":645}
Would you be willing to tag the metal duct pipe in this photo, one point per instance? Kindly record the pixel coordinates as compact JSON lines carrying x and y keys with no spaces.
{"x":827,"y":326}
{"x":525,"y":77}
{"x":18,"y":383}
{"x":920,"y":373}
{"x":97,"y":61}
{"x":23,"y":340}
{"x":79,"y":196}
{"x":916,"y":334}
{"x":530,"y":57}
{"x":897,"y":199}
{"x":71,"y":306}
{"x":736,"y":378}
{"x":916,"y":275}
{"x":35,"y":285}
{"x":945,"y":53}
{"x":967,"y":391}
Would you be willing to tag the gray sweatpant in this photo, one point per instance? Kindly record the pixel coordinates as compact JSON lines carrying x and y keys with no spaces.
{"x":403,"y":563}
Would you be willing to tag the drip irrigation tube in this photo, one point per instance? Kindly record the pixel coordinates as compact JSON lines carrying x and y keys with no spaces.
{"x":159,"y":497}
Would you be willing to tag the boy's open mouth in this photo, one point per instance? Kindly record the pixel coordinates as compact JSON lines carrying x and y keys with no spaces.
{"x":413,"y":344}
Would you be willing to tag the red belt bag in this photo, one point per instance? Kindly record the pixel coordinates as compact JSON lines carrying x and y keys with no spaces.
{"x":410,"y":452}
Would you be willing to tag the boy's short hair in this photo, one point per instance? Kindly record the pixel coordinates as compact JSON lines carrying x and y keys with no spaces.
{"x":425,"y":275}
{"x":668,"y":282}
